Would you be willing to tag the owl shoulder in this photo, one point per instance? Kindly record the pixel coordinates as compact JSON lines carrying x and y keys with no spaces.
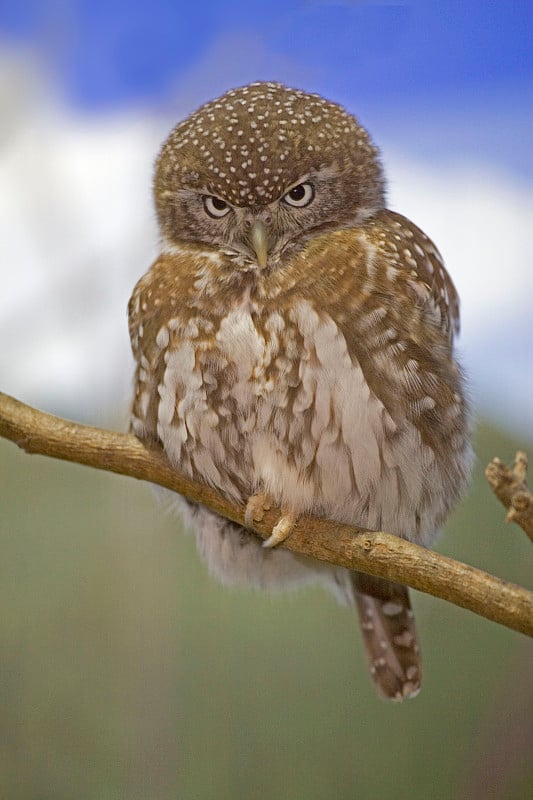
{"x":156,"y":298}
{"x":407,"y":250}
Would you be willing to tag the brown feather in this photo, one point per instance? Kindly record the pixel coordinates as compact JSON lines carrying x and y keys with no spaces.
{"x":389,"y":636}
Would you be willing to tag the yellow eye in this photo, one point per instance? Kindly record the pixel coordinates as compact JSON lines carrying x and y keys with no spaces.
{"x":216,"y":207}
{"x":300,"y":196}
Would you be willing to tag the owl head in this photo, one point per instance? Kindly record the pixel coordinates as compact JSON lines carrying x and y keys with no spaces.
{"x":261,"y":170}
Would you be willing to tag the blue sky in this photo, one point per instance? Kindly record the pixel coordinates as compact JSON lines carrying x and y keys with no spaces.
{"x":109,"y":52}
{"x":403,"y":66}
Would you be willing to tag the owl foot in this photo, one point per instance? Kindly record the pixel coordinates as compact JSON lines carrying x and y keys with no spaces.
{"x":282,"y":530}
{"x":255,"y":508}
{"x":255,"y":511}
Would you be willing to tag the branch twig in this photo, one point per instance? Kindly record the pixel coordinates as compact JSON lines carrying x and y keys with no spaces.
{"x":376,"y":553}
{"x":510,"y":487}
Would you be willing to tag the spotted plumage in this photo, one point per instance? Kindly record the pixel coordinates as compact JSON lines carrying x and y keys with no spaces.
{"x":253,"y":142}
{"x":294,"y":346}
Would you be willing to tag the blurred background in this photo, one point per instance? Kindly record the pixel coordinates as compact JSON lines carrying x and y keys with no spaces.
{"x":125,"y":671}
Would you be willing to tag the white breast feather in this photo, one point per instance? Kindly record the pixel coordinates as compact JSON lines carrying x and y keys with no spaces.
{"x":356,"y":461}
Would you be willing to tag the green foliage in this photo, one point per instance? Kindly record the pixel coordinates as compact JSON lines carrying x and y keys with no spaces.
{"x":128,"y":673}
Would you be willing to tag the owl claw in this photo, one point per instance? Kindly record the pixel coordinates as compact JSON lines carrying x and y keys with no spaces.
{"x":255,"y":508}
{"x":281,"y":531}
{"x":255,"y":511}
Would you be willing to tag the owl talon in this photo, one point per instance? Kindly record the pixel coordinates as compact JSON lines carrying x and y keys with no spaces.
{"x":281,"y":531}
{"x":255,"y":508}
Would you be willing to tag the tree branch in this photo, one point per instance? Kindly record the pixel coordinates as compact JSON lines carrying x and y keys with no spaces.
{"x":510,"y":487}
{"x":376,"y":553}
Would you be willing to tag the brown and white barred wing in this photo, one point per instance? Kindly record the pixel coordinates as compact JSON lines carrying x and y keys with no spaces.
{"x":144,"y":321}
{"x":403,"y":244}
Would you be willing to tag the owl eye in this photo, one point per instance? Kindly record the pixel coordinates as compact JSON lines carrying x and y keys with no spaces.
{"x":300,"y":196}
{"x":216,"y":207}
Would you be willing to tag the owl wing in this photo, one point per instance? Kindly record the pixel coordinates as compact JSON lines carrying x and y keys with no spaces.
{"x":403,"y":266}
{"x":144,"y":322}
{"x":407,"y":249}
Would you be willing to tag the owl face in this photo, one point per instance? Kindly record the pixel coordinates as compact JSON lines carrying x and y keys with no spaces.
{"x":261,"y":170}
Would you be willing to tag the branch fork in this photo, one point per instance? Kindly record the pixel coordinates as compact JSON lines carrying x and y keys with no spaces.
{"x":510,"y":487}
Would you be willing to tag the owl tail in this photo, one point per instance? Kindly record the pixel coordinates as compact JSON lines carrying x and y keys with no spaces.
{"x":389,"y":634}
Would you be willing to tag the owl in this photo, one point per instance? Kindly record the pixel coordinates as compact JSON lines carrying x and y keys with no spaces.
{"x":294,"y":348}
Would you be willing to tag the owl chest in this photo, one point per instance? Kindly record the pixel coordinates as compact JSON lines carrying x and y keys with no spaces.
{"x":278,"y":404}
{"x":239,"y":377}
{"x":275,"y":401}
{"x":252,"y":379}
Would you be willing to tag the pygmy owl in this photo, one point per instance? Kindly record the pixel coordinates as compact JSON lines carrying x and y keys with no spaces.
{"x":294,"y":348}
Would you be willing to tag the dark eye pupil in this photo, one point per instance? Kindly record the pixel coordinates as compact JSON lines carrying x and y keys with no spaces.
{"x":219,"y":204}
{"x":298,"y":193}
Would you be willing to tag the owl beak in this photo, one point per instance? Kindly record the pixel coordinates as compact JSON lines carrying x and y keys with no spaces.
{"x":258,"y":238}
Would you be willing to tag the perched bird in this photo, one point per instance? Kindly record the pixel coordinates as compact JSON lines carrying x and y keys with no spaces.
{"x":294,"y":348}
